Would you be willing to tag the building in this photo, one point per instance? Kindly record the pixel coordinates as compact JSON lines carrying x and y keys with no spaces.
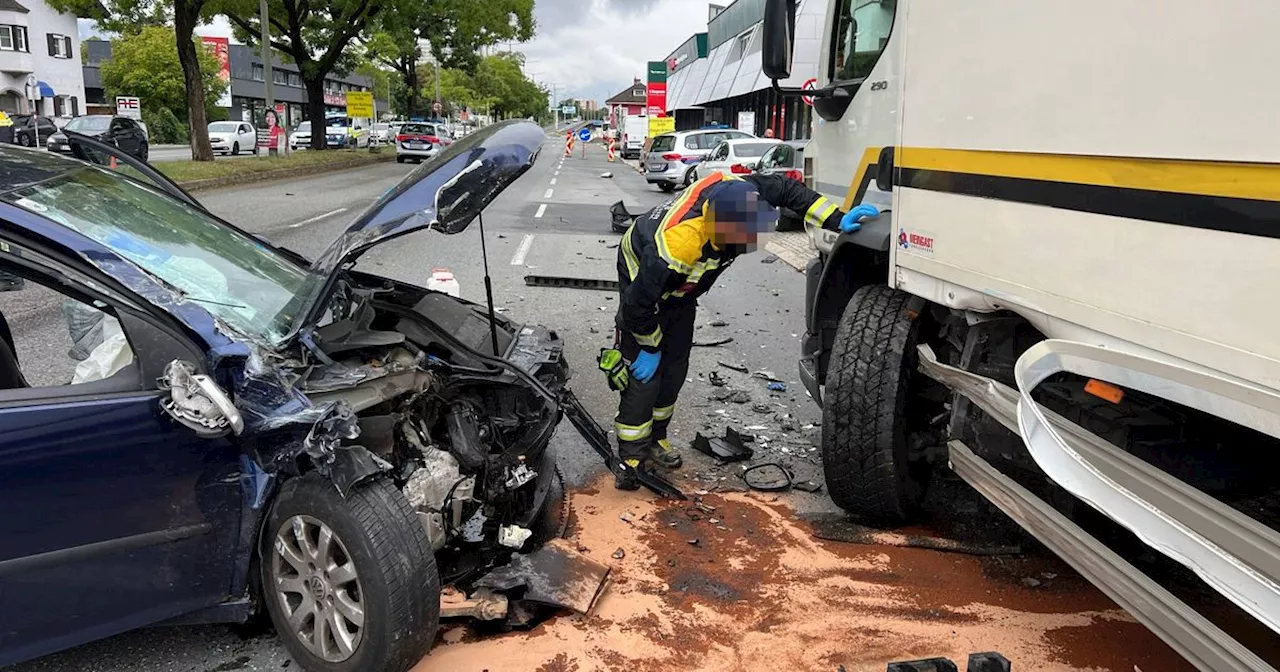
{"x":630,"y":100}
{"x":40,"y":46}
{"x":715,"y":77}
{"x":248,"y":86}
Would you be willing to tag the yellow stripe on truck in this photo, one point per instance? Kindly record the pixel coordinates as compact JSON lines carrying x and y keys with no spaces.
{"x":870,"y":157}
{"x":1258,"y":181}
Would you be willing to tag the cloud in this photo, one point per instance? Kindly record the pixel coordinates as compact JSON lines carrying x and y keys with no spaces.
{"x":594,"y":49}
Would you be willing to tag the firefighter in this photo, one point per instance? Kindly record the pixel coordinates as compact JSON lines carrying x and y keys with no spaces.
{"x":669,"y":257}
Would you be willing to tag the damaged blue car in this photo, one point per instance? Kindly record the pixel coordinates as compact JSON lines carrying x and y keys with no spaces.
{"x":248,"y":431}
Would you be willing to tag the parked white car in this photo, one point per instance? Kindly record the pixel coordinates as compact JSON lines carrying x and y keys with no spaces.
{"x":418,"y":140}
{"x":735,"y":157}
{"x":230,"y":137}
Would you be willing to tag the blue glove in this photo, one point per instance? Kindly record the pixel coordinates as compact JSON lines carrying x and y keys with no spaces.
{"x":849,"y":223}
{"x":646,"y":365}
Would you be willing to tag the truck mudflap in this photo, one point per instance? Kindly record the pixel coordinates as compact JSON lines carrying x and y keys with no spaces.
{"x":1235,"y":554}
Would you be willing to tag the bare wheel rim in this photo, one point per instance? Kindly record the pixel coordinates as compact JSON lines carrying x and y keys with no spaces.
{"x":318,"y":589}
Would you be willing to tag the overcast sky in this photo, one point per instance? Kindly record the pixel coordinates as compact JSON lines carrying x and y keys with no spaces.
{"x":587,"y":48}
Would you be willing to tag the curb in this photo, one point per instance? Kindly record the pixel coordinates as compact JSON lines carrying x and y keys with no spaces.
{"x":283,"y":173}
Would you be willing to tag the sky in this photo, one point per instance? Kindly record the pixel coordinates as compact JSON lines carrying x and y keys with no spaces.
{"x":587,"y":48}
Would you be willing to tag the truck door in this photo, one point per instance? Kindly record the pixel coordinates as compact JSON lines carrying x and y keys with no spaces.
{"x":861,"y":54}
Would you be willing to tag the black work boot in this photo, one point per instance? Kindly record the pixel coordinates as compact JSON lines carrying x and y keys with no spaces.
{"x":662,"y":453}
{"x":625,"y":478}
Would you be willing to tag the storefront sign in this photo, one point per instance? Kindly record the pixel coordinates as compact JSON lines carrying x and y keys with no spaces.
{"x":656,"y":94}
{"x":335,"y":99}
{"x":660,"y":125}
{"x":221,"y":48}
{"x":129,"y":106}
{"x":360,"y":105}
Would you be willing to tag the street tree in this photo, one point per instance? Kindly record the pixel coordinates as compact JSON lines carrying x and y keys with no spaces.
{"x":317,"y":37}
{"x":146,"y":64}
{"x":453,"y":30}
{"x":129,"y":17}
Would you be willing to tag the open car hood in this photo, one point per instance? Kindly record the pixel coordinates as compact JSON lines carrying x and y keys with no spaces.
{"x":445,"y":193}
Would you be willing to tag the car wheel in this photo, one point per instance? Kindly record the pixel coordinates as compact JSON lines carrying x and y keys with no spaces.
{"x":235,"y":149}
{"x":690,"y":176}
{"x":667,"y":187}
{"x":143,"y":151}
{"x":870,"y":408}
{"x":25,"y":140}
{"x":349,"y":582}
{"x":399,"y":159}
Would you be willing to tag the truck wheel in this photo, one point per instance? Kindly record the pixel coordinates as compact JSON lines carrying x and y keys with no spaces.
{"x":866,"y":457}
{"x":350,"y":583}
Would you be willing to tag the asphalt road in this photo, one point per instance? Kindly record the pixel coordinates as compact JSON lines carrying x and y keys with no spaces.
{"x":553,"y":221}
{"x":160,"y":153}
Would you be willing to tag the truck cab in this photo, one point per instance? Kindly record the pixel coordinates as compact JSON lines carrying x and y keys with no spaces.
{"x":1063,"y":298}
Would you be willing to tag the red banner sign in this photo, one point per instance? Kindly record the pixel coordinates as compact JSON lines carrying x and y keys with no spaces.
{"x":221,"y":48}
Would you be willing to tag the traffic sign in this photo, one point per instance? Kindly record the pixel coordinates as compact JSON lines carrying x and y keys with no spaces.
{"x":584,"y":134}
{"x":129,"y":106}
{"x":809,"y":85}
{"x":360,"y":104}
{"x":437,"y":107}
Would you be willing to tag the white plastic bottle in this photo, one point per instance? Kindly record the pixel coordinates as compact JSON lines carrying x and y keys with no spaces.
{"x":442,"y":281}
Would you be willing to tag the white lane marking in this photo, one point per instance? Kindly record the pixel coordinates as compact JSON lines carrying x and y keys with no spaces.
{"x":317,"y":218}
{"x":553,"y":181}
{"x":557,"y":171}
{"x":523,"y":250}
{"x":542,"y":210}
{"x":548,"y":194}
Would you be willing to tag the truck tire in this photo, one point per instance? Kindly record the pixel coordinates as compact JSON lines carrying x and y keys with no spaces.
{"x":865,"y":453}
{"x":367,"y":549}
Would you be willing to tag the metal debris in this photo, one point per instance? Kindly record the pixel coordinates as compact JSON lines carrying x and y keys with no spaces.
{"x":767,"y":375}
{"x":693,"y":542}
{"x":734,"y":367}
{"x":719,"y":323}
{"x":606,"y":175}
{"x":717,"y":380}
{"x":729,"y":449}
{"x":619,"y":554}
{"x":571,"y":283}
{"x":712,"y":344}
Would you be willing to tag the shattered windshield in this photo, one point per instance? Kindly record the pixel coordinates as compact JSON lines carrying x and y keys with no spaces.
{"x":242,"y":282}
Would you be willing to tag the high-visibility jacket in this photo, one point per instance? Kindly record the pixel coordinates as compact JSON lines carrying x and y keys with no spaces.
{"x":667,"y":255}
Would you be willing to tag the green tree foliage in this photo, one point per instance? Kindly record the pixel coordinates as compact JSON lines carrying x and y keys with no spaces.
{"x":145,"y":64}
{"x":455,"y":30}
{"x":316,"y":36}
{"x":131,"y":17}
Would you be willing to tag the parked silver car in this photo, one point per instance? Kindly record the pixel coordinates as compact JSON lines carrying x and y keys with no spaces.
{"x":672,"y":156}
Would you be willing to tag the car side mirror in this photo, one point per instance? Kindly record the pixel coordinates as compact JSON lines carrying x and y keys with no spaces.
{"x":778,"y":37}
{"x":195,"y":401}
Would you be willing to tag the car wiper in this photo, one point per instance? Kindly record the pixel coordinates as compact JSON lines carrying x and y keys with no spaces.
{"x":188,"y":297}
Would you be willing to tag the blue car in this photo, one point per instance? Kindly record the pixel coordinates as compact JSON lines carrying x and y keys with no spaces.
{"x":248,"y":431}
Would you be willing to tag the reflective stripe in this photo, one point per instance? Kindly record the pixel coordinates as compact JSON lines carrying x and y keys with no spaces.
{"x":629,"y":254}
{"x":650,"y":340}
{"x":676,"y":215}
{"x":664,"y":413}
{"x":819,"y":211}
{"x":630,"y":433}
{"x":664,"y":252}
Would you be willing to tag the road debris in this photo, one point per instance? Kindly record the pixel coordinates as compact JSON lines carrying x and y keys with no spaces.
{"x":712,"y":344}
{"x":767,"y":477}
{"x":731,"y":448}
{"x":719,"y":323}
{"x":761,"y":407}
{"x":1030,"y":582}
{"x":627,"y":516}
{"x":717,"y":380}
{"x":767,"y":375}
{"x":619,"y":554}
{"x":734,"y":367}
{"x":840,"y":528}
{"x":559,"y":282}
{"x":693,"y":542}
{"x":606,"y":175}
{"x":777,"y":387}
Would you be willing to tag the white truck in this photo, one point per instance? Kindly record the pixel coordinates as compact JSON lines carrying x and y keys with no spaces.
{"x":1070,"y":297}
{"x":635,"y":128}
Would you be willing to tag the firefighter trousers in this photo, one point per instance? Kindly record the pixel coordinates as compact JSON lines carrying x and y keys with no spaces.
{"x":645,"y":409}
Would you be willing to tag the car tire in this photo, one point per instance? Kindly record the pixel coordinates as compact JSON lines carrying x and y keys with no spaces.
{"x":667,"y":187}
{"x":553,"y":521}
{"x":865,"y":455}
{"x":143,"y":152}
{"x":235,"y":149}
{"x":399,"y":159}
{"x":25,"y":140}
{"x":375,"y":535}
{"x":690,"y":176}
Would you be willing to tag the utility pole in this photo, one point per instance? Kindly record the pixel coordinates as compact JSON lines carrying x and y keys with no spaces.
{"x":268,"y":74}
{"x":438,"y":101}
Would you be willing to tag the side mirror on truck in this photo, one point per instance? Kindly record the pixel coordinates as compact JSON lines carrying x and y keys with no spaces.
{"x":779,"y":36}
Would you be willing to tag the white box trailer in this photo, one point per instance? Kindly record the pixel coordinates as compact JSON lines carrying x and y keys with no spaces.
{"x":1081,"y":242}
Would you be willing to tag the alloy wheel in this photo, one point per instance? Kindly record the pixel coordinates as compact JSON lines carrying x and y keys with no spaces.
{"x":318,"y":588}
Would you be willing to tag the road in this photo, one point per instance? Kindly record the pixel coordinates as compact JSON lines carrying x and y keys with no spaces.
{"x":740,"y":584}
{"x":158,"y":153}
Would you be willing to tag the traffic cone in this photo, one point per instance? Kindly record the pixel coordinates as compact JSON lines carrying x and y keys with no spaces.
{"x":610,"y":150}
{"x":568,"y":144}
